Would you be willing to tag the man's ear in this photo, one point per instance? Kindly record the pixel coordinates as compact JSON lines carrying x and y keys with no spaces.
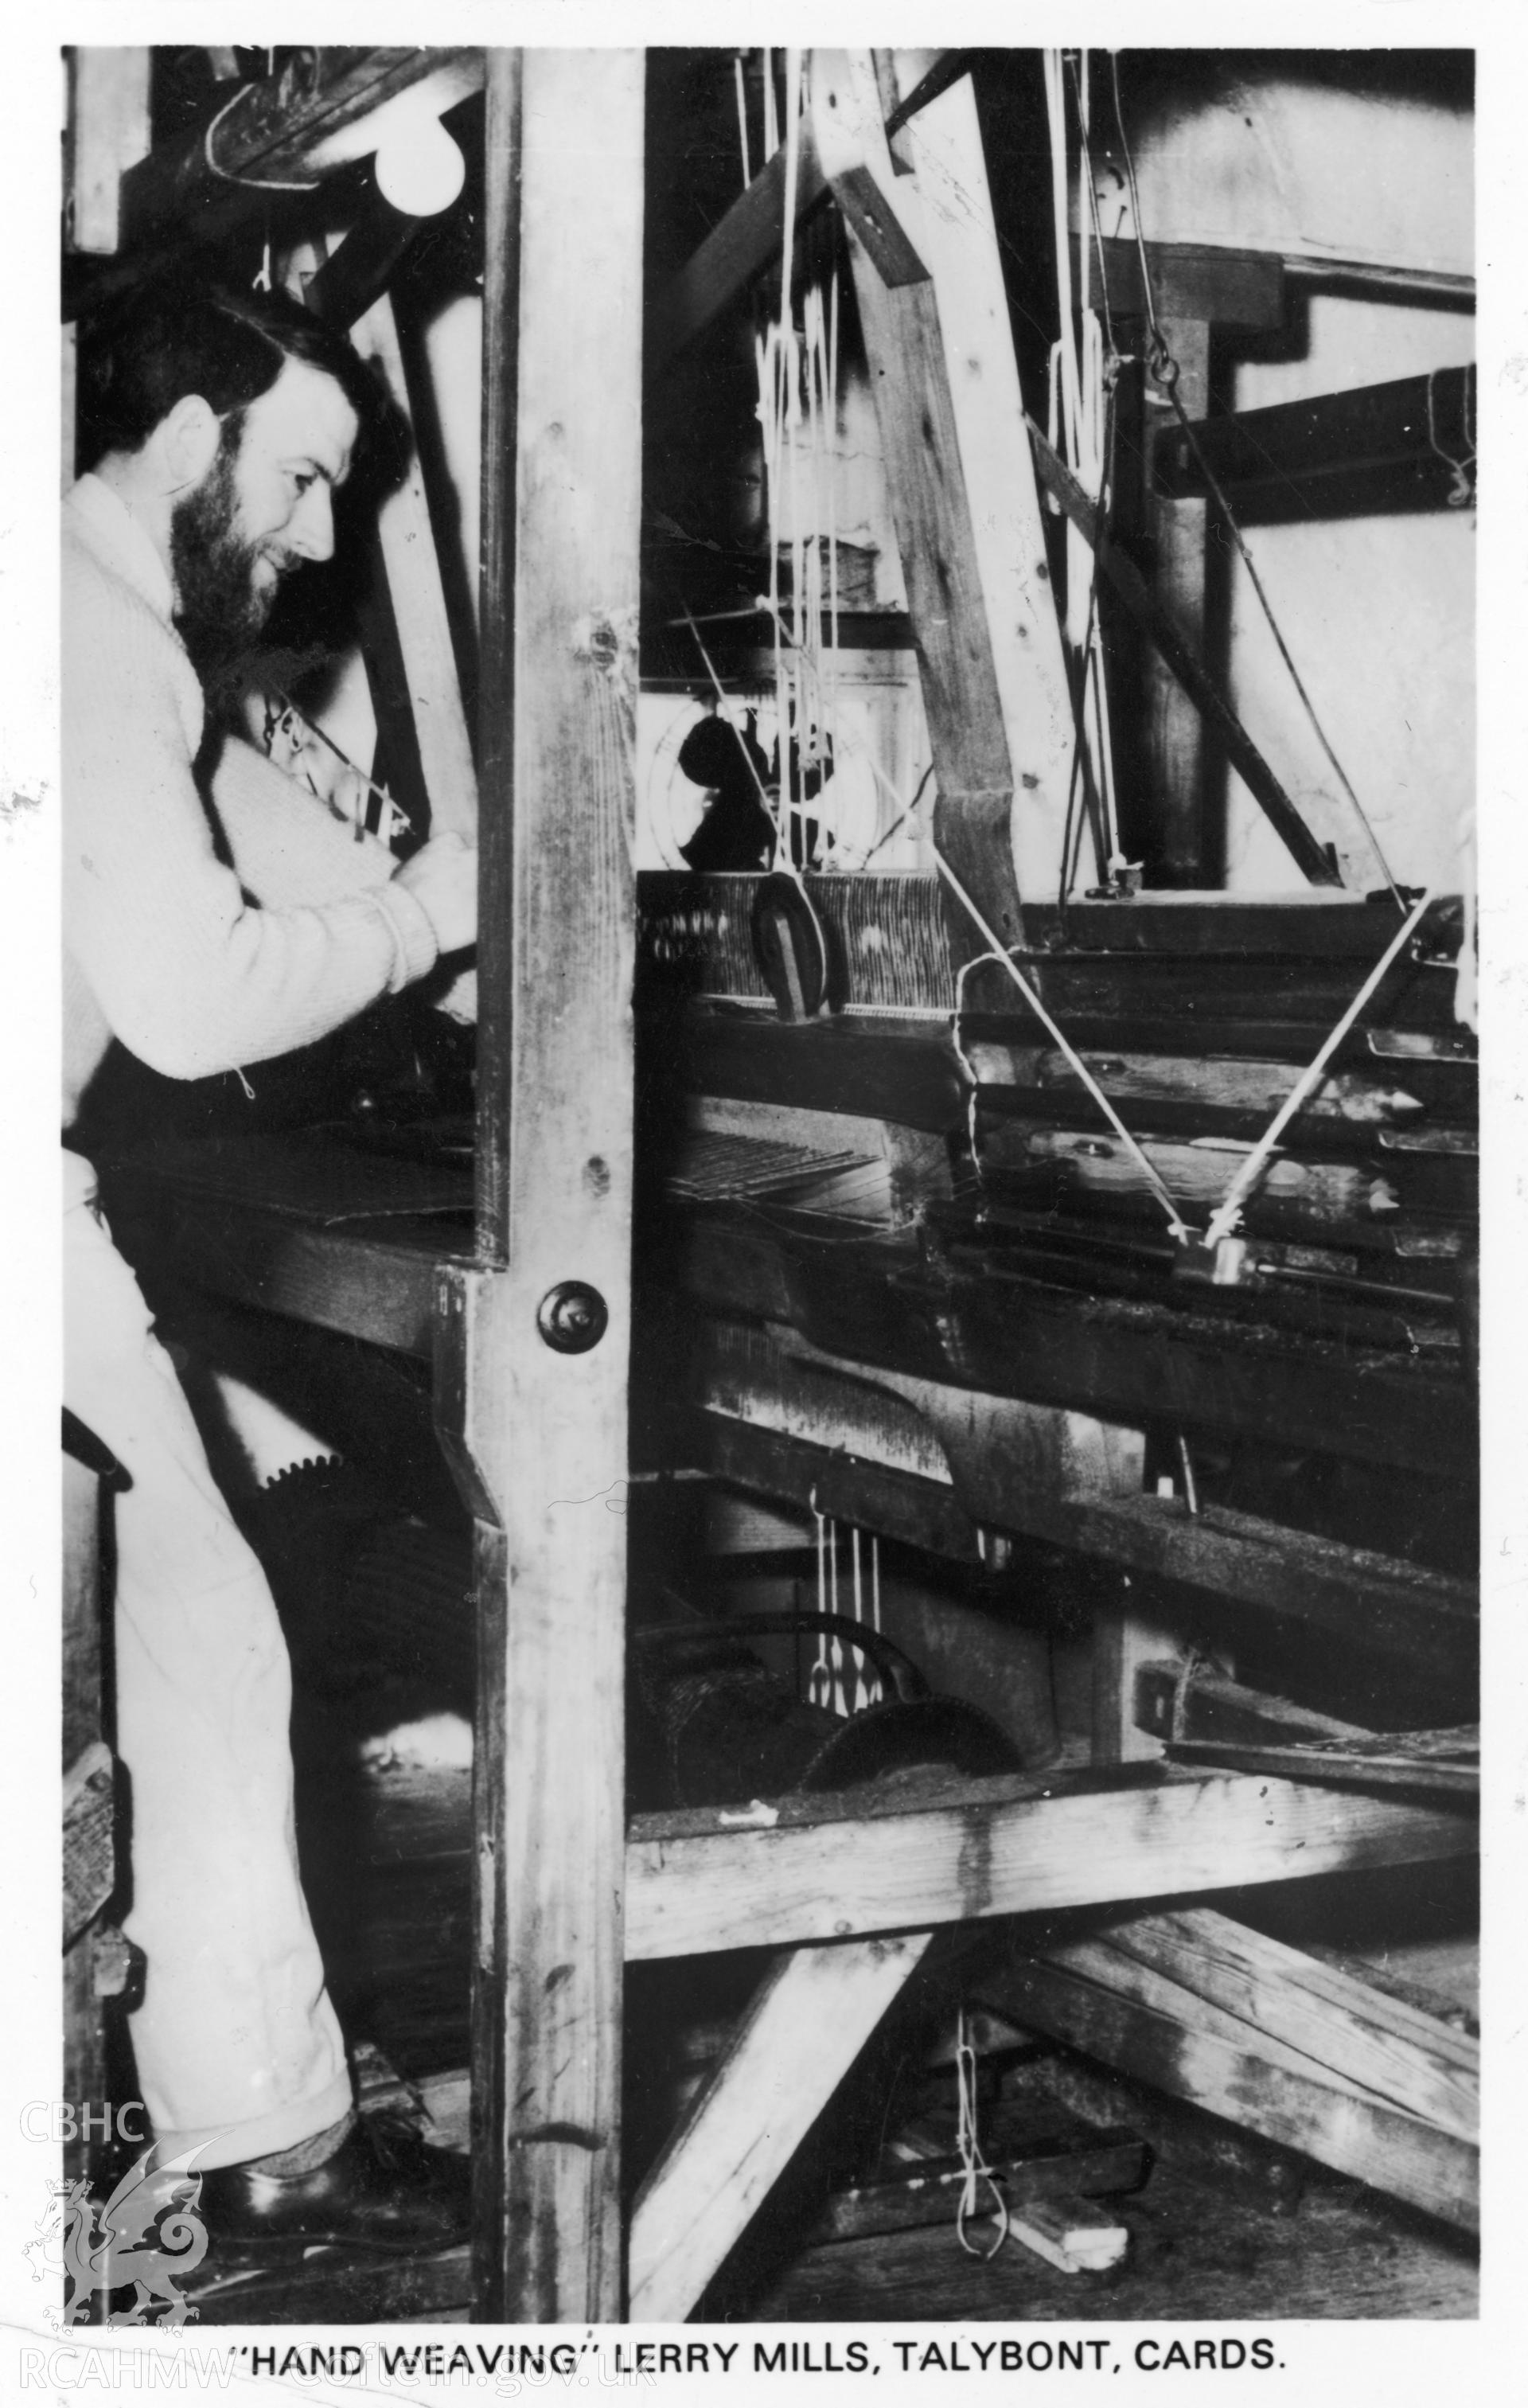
{"x":188,"y":441}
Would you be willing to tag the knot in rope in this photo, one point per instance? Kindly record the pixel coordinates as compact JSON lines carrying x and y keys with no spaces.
{"x":1160,"y":365}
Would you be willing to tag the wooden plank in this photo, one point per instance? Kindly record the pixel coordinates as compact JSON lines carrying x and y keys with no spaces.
{"x":1328,"y":924}
{"x":1188,"y":839}
{"x":497,"y":650}
{"x":969,"y":1320}
{"x":898,"y":1504}
{"x":1190,"y":280}
{"x":1357,"y":1768}
{"x":1160,"y":2032}
{"x":1123,"y":1642}
{"x":1353,"y":1592}
{"x":1086,"y":2162}
{"x":931,"y":509}
{"x":89,"y":1822}
{"x":537,"y":1426}
{"x":1187,"y":668}
{"x":931,"y":513}
{"x":958,"y":242}
{"x":1151,"y":1837}
{"x":1411,"y":2059}
{"x":109,"y":134}
{"x":362,"y":267}
{"x":419,"y":607}
{"x":857,"y":1066}
{"x":333,"y":2288}
{"x":812,"y":2017}
{"x":1408,"y":423}
{"x":1208,"y":1705}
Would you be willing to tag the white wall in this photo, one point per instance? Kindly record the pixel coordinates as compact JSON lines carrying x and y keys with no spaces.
{"x":1379,"y":612}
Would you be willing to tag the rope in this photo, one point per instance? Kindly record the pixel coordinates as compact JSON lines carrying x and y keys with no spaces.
{"x":1223,"y":1219}
{"x":782,"y":853}
{"x":1080,"y":430}
{"x":820,"y":1679}
{"x":1188,"y":1672}
{"x":1285,"y":655}
{"x":849,"y":744}
{"x":742,"y":118}
{"x":1160,"y":361}
{"x":1461,"y":491}
{"x":1152,"y":1176}
{"x":977,"y":2170}
{"x":1466,"y":976}
{"x":974,"y":1099}
{"x":867,"y":1685}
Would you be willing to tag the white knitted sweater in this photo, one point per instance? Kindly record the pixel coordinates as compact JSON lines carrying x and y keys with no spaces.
{"x":196,"y":967}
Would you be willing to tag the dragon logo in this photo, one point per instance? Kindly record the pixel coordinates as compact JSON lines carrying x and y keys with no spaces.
{"x":147,"y":2237}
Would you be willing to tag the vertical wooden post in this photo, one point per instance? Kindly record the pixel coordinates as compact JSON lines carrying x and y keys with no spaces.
{"x":1123,"y":1641}
{"x":1190,"y":847}
{"x":534,"y":1349}
{"x":419,"y":607}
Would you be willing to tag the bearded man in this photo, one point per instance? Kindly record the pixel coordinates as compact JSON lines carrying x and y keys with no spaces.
{"x":215,"y":914}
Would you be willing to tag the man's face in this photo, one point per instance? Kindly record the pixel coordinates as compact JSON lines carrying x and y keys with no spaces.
{"x":264,"y":505}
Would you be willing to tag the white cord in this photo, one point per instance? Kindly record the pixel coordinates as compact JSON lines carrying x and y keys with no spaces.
{"x":1223,"y":1219}
{"x":1154,"y":1177}
{"x":977,"y":2170}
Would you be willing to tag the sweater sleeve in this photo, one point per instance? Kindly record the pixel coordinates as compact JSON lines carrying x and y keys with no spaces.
{"x":190,"y":975}
{"x":287,"y":845}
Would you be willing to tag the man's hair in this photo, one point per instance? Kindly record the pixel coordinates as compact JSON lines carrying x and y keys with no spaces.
{"x":230,"y":347}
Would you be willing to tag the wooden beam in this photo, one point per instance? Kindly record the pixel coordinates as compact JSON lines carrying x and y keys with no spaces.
{"x":960,"y":244}
{"x":812,"y":2017}
{"x":1411,"y":2059}
{"x":935,"y":542}
{"x":110,"y":131}
{"x":496,"y":647}
{"x":949,"y":412}
{"x":359,"y":269}
{"x":1187,"y":840}
{"x":1420,"y":422}
{"x":738,"y":248}
{"x":419,"y":607}
{"x":1112,"y":2008}
{"x":1208,"y":1705}
{"x":1089,"y":2163}
{"x":900,"y":1505}
{"x":534,"y":1351}
{"x":1013,"y":1849}
{"x":1354,"y":1592}
{"x":1355,"y":1766}
{"x":746,"y":240}
{"x":1122,"y":1643}
{"x":275,"y":133}
{"x":1131,"y":1361}
{"x":1187,"y":668}
{"x":1189,"y":280}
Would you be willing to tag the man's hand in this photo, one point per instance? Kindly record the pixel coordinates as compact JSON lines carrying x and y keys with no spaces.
{"x":442,"y":876}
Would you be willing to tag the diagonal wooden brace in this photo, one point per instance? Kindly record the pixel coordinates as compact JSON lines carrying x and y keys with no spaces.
{"x":810,"y":2017}
{"x":1186,"y":666}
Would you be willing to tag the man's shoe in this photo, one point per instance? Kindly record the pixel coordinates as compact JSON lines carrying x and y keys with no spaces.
{"x":383,"y":2189}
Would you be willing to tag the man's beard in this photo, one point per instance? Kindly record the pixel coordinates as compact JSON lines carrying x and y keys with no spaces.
{"x":220,"y":610}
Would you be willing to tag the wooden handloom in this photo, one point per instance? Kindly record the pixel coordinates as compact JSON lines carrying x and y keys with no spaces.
{"x":894,"y":1374}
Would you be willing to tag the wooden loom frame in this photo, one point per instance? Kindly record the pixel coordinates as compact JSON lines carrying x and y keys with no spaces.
{"x":563,"y":1893}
